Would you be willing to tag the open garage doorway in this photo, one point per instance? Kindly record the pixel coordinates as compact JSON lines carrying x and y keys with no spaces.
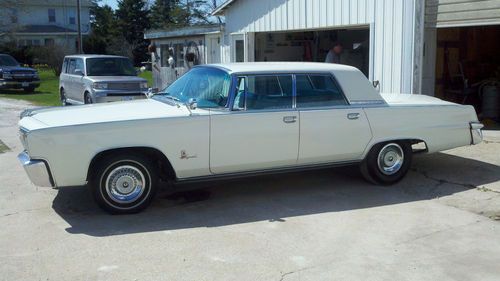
{"x":313,"y":46}
{"x":468,"y":69}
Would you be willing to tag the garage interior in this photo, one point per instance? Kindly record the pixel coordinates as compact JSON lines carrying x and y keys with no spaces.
{"x":468,"y":69}
{"x":314,"y":46}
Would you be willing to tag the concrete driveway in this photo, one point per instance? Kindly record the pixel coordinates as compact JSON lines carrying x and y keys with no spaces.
{"x":440,"y":223}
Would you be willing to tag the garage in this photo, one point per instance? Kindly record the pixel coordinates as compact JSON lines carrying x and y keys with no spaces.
{"x":462,"y":38}
{"x":313,"y":46}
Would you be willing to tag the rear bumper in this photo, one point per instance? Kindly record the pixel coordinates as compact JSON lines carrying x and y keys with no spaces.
{"x":37,"y":170}
{"x":9,"y":84}
{"x":476,"y":135}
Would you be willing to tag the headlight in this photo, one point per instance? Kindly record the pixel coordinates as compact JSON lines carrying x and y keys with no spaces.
{"x":7,"y":74}
{"x":35,"y":74}
{"x":144,"y":85}
{"x":100,"y":86}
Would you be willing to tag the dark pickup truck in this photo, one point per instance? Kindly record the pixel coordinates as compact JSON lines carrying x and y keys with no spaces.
{"x":13,"y":76}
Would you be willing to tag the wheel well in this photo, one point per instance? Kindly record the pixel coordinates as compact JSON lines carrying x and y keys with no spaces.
{"x":165,"y":169}
{"x":417,"y":145}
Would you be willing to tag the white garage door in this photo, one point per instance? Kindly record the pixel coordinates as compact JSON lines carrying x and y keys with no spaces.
{"x":449,"y":13}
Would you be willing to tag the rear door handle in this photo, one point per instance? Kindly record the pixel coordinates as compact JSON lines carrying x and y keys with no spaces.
{"x":289,"y":119}
{"x":352,"y":116}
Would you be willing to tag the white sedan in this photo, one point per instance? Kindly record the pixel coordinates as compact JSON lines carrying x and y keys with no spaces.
{"x":229,"y":120}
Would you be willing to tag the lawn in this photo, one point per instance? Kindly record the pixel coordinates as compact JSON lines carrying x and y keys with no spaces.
{"x":48,"y":94}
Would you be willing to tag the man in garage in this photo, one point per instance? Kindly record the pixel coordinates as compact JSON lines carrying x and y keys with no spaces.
{"x":333,"y":55}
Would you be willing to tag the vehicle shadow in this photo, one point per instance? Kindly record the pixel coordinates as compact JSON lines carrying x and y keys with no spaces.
{"x":276,"y":197}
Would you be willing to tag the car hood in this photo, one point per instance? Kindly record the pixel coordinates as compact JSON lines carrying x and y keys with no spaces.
{"x":102,"y":113}
{"x":116,"y":79}
{"x":16,"y":68}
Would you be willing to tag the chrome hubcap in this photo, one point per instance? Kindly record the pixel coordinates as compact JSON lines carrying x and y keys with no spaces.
{"x":125,"y":184}
{"x":390,"y":159}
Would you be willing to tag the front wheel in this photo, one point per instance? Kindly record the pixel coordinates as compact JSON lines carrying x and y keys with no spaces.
{"x":29,"y":89}
{"x":124,"y":184}
{"x":387,"y":163}
{"x":87,"y":99}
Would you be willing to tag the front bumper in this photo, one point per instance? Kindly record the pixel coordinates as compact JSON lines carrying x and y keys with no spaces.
{"x":37,"y":170}
{"x":476,"y":135}
{"x":12,"y":84}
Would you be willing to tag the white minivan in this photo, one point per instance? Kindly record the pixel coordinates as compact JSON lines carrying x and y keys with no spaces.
{"x":89,"y":79}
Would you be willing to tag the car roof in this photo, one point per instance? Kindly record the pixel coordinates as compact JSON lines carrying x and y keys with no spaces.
{"x":86,"y":56}
{"x":245,"y":67}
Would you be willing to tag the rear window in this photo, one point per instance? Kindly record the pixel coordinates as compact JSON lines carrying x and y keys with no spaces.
{"x":315,"y":90}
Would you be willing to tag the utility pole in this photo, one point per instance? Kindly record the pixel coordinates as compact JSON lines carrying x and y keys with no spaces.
{"x":79,"y":39}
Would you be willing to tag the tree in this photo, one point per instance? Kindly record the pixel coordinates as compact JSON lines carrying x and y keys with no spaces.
{"x":103,"y":29}
{"x":132,"y":19}
{"x":161,"y":14}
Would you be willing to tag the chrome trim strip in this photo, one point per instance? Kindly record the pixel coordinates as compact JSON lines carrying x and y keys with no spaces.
{"x":287,"y":169}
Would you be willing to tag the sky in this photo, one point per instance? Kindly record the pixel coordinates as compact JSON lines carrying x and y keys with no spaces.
{"x":112,"y":3}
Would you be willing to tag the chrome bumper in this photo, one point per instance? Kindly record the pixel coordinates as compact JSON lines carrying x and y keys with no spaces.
{"x":476,"y":135}
{"x":18,"y":84}
{"x":37,"y":170}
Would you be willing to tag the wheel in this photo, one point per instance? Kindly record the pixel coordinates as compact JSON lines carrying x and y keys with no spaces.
{"x":29,"y":89}
{"x":88,"y":99}
{"x":387,"y":163}
{"x":64,"y":100}
{"x":124,"y":184}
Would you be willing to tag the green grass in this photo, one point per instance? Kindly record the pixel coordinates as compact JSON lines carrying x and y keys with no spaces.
{"x":48,"y":94}
{"x":148,"y":75}
{"x":3,"y":147}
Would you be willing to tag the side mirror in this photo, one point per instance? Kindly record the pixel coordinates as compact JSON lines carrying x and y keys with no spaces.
{"x":192,"y":103}
{"x":79,"y":72}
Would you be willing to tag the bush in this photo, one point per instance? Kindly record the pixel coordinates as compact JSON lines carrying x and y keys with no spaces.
{"x":52,"y":56}
{"x":23,"y":55}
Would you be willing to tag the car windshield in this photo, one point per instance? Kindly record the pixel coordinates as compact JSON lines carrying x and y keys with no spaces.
{"x":6,"y":60}
{"x":110,"y":67}
{"x":209,"y":86}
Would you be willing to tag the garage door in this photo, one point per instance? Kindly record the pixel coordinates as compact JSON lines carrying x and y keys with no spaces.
{"x":449,"y":13}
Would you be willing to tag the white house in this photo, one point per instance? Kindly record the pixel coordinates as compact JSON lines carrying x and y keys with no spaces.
{"x":44,"y":22}
{"x":399,"y":43}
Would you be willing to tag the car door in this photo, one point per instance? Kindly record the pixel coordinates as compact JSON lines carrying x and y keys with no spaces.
{"x":330,"y":129}
{"x":69,"y":79}
{"x":79,"y":84}
{"x":262,"y":129}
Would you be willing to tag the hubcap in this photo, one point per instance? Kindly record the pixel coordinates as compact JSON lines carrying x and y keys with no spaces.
{"x":390,"y":159}
{"x":125,"y":184}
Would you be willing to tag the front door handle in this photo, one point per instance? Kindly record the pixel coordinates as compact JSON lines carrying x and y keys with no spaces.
{"x":352,"y":116}
{"x":289,"y":119}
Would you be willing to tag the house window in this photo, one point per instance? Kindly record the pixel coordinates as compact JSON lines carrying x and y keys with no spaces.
{"x":240,"y":51}
{"x":52,"y":15}
{"x":164,"y":53}
{"x":36,"y":42}
{"x":13,"y":15}
{"x":49,"y":42}
{"x":71,"y":17}
{"x":179,"y":55}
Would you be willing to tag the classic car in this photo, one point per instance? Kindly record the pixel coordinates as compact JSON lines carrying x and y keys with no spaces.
{"x":89,"y":79}
{"x":14,"y":76}
{"x":230,"y":120}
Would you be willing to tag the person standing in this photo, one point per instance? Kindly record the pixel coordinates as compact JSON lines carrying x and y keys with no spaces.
{"x":333,"y":55}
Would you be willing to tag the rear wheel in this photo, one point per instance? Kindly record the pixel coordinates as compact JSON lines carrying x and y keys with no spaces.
{"x":64,"y":100}
{"x":124,"y":184}
{"x":387,"y":163}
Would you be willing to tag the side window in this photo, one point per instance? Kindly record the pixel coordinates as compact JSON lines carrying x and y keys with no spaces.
{"x":265,"y":92}
{"x":317,"y":90}
{"x":79,"y":65}
{"x":72,"y":66}
{"x":64,"y":66}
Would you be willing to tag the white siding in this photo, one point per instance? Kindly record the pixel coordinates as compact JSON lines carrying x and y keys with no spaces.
{"x":393,"y":21}
{"x":445,"y":13}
